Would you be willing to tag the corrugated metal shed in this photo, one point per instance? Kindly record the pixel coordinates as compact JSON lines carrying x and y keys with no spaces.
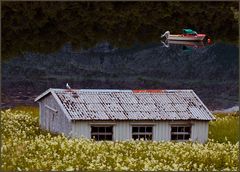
{"x":93,"y":104}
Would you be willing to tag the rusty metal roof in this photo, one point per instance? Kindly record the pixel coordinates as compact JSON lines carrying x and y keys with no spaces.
{"x":93,"y":104}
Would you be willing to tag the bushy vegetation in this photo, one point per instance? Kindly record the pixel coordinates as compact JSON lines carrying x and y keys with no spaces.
{"x":226,"y":127}
{"x":26,"y":147}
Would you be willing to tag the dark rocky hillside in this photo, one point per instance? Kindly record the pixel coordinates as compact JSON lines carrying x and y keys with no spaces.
{"x":211,"y":71}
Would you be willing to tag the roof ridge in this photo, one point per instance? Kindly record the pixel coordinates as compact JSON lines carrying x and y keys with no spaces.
{"x":120,"y":90}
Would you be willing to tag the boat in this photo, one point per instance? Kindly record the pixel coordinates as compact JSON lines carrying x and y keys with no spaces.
{"x":187,"y":35}
{"x":195,"y":44}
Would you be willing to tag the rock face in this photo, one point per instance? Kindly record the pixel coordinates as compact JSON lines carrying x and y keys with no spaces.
{"x":212,"y":72}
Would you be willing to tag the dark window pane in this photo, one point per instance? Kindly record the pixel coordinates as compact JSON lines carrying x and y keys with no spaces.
{"x":101,"y":137}
{"x":108,"y":137}
{"x":180,"y":137}
{"x":173,"y":137}
{"x":135,"y":129}
{"x":141,"y":136}
{"x":148,"y":129}
{"x":102,"y":129}
{"x":94,"y":129}
{"x":142,"y":129}
{"x":100,"y":133}
{"x":135,"y":137}
{"x":149,"y":137}
{"x":180,"y":129}
{"x":187,"y":129}
{"x":108,"y":129}
{"x":174,"y":129}
{"x":187,"y":136}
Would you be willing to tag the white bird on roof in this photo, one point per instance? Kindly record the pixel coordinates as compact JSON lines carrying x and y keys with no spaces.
{"x":68,"y":87}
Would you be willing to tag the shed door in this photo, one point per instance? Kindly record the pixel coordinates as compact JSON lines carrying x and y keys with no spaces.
{"x":49,"y":120}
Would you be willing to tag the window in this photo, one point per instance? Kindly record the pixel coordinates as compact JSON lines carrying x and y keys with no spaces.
{"x":180,"y":132}
{"x":142,"y":132}
{"x":101,"y":132}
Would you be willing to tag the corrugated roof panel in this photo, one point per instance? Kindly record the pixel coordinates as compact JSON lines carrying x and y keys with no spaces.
{"x":203,"y":114}
{"x":157,"y":115}
{"x":174,"y":98}
{"x":129,"y":105}
{"x":127,"y":98}
{"x":137,"y":115}
{"x":149,"y":107}
{"x":82,"y":107}
{"x":149,"y":115}
{"x":159,"y":106}
{"x":195,"y":113}
{"x":112,"y":107}
{"x":91,"y":98}
{"x":147,"y":98}
{"x":116,"y":115}
{"x":161,"y":98}
{"x":184,"y":115}
{"x":173,"y":116}
{"x":98,"y":115}
{"x":95,"y":107}
{"x":180,"y":106}
{"x":184,"y":94}
{"x":168,"y":107}
{"x":133,"y":107}
{"x":108,"y":98}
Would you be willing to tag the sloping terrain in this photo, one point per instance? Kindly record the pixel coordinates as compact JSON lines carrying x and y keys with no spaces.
{"x":212,"y":71}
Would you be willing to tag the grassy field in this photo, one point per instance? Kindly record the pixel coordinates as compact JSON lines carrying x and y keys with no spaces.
{"x":26,"y":147}
{"x":225,"y":128}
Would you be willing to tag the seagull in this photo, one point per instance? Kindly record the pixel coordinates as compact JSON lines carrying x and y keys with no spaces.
{"x":68,"y":87}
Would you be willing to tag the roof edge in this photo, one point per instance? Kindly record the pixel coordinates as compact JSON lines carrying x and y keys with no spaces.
{"x":210,"y":114}
{"x":51,"y":90}
{"x":43,"y":94}
{"x":61,"y":105}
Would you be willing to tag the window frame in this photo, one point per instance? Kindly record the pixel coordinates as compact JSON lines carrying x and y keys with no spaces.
{"x":100,"y":134}
{"x":183,"y":133}
{"x":145,"y":134}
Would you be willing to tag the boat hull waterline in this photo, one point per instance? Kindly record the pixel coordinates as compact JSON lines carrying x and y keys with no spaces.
{"x":186,"y":43}
{"x":183,"y":37}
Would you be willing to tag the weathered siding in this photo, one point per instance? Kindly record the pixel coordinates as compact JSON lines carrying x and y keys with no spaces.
{"x":55,"y":122}
{"x":161,"y":131}
{"x":122,"y":130}
{"x":200,"y":131}
{"x":81,"y":129}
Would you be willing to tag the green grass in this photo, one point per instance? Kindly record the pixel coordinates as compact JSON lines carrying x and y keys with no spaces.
{"x":33,"y":110}
{"x":225,"y":127}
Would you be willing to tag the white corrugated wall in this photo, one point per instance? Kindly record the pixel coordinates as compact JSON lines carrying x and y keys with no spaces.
{"x":81,"y":129}
{"x":200,"y":131}
{"x":161,"y":131}
{"x":122,"y":130}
